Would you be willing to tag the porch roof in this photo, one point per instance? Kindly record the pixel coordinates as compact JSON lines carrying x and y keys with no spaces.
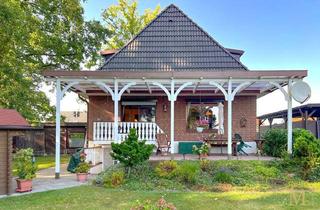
{"x":259,"y":81}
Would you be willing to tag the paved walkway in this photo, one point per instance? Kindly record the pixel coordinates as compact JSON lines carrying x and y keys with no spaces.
{"x":45,"y":181}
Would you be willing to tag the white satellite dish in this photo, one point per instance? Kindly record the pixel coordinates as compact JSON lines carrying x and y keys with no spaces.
{"x":300,"y":91}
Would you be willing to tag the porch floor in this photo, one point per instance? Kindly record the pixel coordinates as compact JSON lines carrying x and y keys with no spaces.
{"x":210,"y":157}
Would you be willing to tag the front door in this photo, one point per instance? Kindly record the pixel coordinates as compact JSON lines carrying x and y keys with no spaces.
{"x":131,"y":114}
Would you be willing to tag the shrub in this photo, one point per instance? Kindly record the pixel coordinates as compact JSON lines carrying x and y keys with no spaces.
{"x":116,"y":179}
{"x":26,"y":169}
{"x":275,"y":142}
{"x":305,"y":144}
{"x":267,"y":172}
{"x":167,"y":169}
{"x":187,"y":172}
{"x":205,"y":165}
{"x":131,"y":152}
{"x":223,"y":177}
{"x":83,"y":167}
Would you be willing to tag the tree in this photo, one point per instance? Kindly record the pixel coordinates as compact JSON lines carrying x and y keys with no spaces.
{"x":124,"y":22}
{"x":131,"y":152}
{"x":37,"y":35}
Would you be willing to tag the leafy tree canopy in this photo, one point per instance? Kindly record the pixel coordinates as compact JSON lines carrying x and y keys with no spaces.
{"x":124,"y":21}
{"x":42,"y":34}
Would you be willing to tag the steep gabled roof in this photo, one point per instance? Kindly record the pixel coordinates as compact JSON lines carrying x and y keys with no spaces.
{"x":172,"y":42}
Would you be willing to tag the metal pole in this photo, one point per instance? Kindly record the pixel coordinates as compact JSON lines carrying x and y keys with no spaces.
{"x":172,"y":117}
{"x":116,"y":111}
{"x":57,"y":158}
{"x":229,"y":119}
{"x":289,"y":128}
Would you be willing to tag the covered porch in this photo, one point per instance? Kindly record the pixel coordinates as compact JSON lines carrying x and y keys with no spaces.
{"x":225,"y":84}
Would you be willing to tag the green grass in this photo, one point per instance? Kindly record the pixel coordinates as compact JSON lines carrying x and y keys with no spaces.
{"x":44,"y":162}
{"x":91,"y":197}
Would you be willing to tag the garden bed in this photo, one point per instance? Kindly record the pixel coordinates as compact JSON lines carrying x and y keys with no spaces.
{"x":203,"y":175}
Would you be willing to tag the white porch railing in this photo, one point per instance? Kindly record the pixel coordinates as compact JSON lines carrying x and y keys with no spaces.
{"x":94,"y":155}
{"x":103,"y":131}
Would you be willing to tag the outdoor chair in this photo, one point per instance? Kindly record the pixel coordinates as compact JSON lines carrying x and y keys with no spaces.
{"x":163,"y":144}
{"x":241,"y":144}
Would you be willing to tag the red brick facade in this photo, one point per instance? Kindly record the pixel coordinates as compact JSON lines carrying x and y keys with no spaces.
{"x":101,"y":109}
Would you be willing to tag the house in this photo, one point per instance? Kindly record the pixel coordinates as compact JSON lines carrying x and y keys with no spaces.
{"x":74,"y":116}
{"x":171,"y":78}
{"x":306,"y":116}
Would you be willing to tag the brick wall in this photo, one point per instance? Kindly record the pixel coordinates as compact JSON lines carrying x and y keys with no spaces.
{"x":101,"y":109}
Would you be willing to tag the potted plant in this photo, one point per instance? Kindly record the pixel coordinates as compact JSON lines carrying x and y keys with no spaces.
{"x":26,"y":169}
{"x":201,"y":124}
{"x":202,"y":151}
{"x":82,"y":169}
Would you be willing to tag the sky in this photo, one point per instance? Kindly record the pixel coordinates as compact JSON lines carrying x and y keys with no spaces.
{"x":275,"y":35}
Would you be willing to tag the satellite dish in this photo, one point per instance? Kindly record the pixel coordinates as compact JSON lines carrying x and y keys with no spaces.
{"x":300,"y":91}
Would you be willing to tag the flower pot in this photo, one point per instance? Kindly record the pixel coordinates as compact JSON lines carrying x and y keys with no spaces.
{"x":82,"y":177}
{"x":24,"y":185}
{"x":199,"y":129}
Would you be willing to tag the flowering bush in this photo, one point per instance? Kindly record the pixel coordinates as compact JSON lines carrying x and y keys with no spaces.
{"x":202,"y":150}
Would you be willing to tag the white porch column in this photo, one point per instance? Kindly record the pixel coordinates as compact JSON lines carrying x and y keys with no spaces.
{"x":289,"y":125}
{"x":172,"y":99}
{"x":57,"y":158}
{"x":116,"y":112}
{"x":229,"y":98}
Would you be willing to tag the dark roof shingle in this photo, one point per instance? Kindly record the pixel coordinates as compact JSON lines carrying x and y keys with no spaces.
{"x":172,"y":42}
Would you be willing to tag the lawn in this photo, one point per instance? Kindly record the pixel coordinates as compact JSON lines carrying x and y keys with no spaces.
{"x":44,"y":162}
{"x":91,"y":197}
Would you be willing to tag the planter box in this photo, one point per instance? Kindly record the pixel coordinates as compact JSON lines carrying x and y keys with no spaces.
{"x":24,"y":185}
{"x":82,"y":177}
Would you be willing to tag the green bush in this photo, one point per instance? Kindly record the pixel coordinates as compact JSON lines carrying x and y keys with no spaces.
{"x":223,"y":177}
{"x":275,"y":142}
{"x":116,"y":179}
{"x":267,"y":172}
{"x":131,"y":152}
{"x":187,"y":172}
{"x":305,"y":144}
{"x":26,"y":169}
{"x":83,"y":167}
{"x":167,"y":169}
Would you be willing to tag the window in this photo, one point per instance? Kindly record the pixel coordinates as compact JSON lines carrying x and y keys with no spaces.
{"x":139,"y":113}
{"x":204,"y":115}
{"x":76,"y":139}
